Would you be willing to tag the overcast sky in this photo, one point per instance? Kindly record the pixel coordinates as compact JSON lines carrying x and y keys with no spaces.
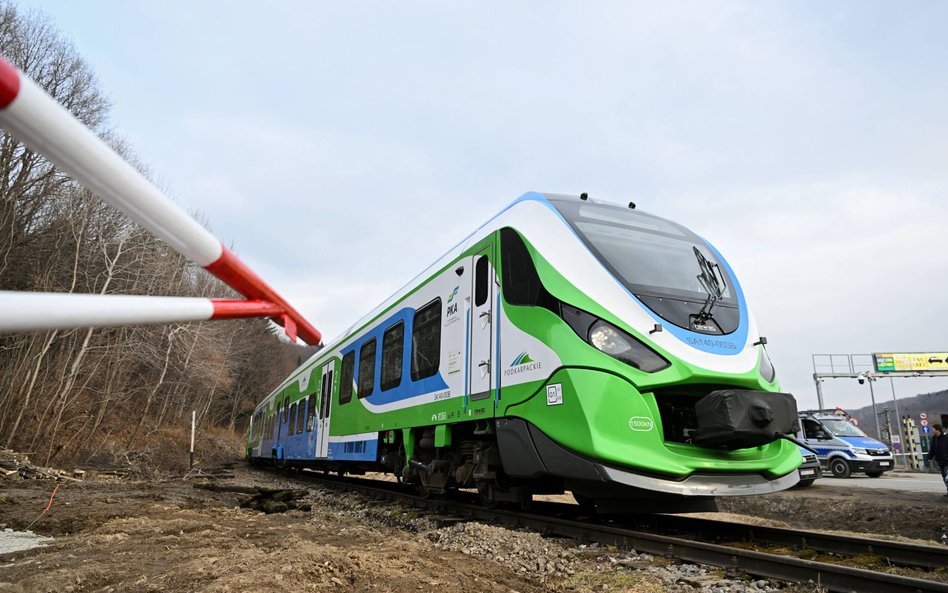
{"x":342,"y":147}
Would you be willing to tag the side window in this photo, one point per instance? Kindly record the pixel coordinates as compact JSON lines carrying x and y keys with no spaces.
{"x":426,"y":341}
{"x":367,"y":368}
{"x":310,"y":412}
{"x":286,"y":409}
{"x":393,"y":346}
{"x":348,"y":368}
{"x":327,"y":396}
{"x":289,"y":429}
{"x":521,"y":283}
{"x":481,"y":279}
{"x":324,"y":408}
{"x":300,"y":416}
{"x":812,"y":429}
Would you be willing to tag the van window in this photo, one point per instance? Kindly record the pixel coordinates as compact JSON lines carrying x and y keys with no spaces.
{"x":367,"y":368}
{"x":813,"y":429}
{"x":426,"y":341}
{"x":393,"y":346}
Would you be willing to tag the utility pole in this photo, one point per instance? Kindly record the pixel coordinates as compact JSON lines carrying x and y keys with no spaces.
{"x":899,"y":423}
{"x":872,"y":395}
{"x":191,"y":456}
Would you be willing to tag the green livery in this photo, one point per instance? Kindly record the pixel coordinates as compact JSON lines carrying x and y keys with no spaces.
{"x":564,"y":345}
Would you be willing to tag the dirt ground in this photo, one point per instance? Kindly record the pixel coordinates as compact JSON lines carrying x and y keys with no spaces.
{"x":116,"y":535}
{"x":894,"y":514}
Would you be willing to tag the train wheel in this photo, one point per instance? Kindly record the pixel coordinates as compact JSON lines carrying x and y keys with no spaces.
{"x":840,"y":468}
{"x":483,"y":490}
{"x":421,"y":487}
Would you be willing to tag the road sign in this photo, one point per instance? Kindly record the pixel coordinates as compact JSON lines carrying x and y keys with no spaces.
{"x":926,"y":429}
{"x":923,"y":422}
{"x":896,"y":439}
{"x":923,"y":415}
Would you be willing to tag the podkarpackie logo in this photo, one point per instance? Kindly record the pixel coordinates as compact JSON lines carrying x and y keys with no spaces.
{"x":454,"y":293}
{"x":522,"y":364}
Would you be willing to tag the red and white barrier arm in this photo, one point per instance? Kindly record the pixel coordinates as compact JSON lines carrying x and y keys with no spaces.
{"x":32,"y":311}
{"x":37,"y":120}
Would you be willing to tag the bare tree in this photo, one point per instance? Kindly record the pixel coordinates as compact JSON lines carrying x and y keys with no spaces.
{"x":76,"y":394}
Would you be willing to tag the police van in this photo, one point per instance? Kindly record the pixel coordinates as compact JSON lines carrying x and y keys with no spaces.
{"x":842,"y":447}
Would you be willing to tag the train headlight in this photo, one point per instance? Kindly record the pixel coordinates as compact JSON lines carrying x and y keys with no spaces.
{"x":621,"y":346}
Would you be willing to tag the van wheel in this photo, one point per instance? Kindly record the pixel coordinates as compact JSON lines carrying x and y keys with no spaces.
{"x":873,"y":474}
{"x":840,"y":468}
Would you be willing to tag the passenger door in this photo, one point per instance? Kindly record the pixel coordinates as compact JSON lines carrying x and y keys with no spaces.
{"x":481,"y":365}
{"x":322,"y":416}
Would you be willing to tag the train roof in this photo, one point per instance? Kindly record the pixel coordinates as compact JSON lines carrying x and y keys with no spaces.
{"x":484,"y":229}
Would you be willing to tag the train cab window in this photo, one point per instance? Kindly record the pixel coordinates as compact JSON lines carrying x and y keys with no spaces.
{"x":348,"y":369}
{"x":481,"y":280}
{"x":300,"y":416}
{"x":310,"y":412}
{"x":393,"y":346}
{"x":426,"y":341}
{"x":367,"y":368}
{"x":520,"y":282}
{"x":292,"y":418}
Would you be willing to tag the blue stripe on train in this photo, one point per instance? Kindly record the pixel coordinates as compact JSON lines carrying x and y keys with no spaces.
{"x":407,"y":388}
{"x":354,"y":450}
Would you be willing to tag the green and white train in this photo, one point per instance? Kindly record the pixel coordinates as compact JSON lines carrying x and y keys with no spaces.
{"x":566,"y":344}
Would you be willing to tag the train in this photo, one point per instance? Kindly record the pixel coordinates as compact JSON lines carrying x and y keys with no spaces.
{"x":566,"y":345}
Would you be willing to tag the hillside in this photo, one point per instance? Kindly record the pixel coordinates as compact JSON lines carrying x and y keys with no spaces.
{"x":934,"y":404}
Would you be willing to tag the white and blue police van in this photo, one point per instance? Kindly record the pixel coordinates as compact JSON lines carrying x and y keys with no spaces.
{"x":842,"y":447}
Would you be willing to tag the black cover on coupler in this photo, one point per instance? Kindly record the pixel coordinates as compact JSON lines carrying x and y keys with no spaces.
{"x":740,"y":418}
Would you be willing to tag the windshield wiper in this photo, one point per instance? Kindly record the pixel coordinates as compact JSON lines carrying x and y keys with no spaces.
{"x":712,"y":280}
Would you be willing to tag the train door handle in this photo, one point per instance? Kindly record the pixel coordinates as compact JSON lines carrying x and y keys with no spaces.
{"x":484,"y":363}
{"x":484,"y":314}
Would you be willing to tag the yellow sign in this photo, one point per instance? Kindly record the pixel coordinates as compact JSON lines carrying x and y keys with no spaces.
{"x":911,"y":362}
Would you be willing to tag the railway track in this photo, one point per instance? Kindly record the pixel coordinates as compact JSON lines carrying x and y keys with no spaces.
{"x":566,"y":520}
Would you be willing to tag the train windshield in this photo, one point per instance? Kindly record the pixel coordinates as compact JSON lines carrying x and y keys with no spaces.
{"x":666,"y":266}
{"x":842,"y":428}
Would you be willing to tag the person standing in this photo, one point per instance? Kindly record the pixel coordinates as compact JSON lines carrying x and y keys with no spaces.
{"x":939,"y":451}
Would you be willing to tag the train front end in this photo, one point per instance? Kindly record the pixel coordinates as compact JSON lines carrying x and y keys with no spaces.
{"x":663,"y":389}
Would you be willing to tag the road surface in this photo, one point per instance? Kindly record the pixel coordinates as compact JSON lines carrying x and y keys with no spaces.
{"x":914,"y":482}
